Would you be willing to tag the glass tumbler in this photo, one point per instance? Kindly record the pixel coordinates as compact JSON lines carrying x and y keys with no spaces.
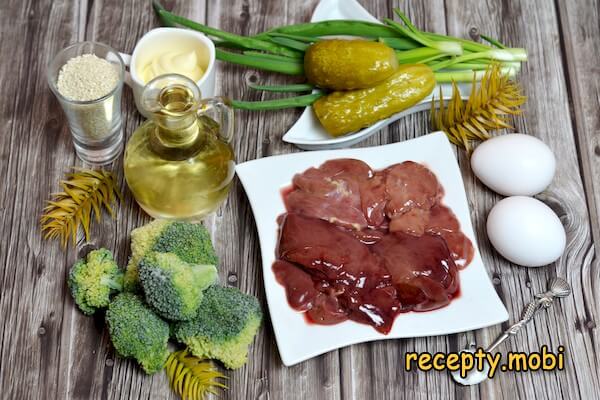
{"x":96,"y":125}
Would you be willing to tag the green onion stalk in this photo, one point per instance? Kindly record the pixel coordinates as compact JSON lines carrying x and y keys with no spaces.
{"x":282,"y":50}
{"x":466,"y":75}
{"x":288,"y":102}
{"x":298,"y":87}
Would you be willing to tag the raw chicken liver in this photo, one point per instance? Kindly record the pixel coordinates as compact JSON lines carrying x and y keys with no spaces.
{"x":422,"y":270}
{"x":367,"y":245}
{"x":331,"y":192}
{"x":412,"y":190}
{"x":344,"y":269}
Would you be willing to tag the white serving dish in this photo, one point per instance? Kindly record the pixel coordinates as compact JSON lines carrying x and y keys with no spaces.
{"x":478,"y":305}
{"x":307,"y":133}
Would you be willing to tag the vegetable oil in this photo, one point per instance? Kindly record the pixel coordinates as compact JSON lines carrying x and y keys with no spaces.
{"x":180,"y":164}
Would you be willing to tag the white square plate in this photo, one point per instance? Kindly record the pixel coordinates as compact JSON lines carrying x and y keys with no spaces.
{"x":477,"y":306}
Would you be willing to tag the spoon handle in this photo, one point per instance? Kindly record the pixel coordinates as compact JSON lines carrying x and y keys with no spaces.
{"x":541,"y":301}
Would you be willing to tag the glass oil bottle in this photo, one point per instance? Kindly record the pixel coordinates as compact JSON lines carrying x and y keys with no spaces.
{"x":179,"y":165}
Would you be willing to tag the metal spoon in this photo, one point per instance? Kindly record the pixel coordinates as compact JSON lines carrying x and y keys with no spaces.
{"x":557,"y":288}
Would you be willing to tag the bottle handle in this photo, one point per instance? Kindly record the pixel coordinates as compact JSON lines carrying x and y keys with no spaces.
{"x":218,"y":109}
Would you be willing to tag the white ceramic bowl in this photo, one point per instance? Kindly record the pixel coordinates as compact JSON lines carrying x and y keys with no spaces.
{"x":155,"y":41}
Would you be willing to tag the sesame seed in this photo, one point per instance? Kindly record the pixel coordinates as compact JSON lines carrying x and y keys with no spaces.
{"x":87,"y":77}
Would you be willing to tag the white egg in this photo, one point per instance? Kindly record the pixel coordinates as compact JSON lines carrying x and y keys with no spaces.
{"x":525,"y":231}
{"x":514,"y":165}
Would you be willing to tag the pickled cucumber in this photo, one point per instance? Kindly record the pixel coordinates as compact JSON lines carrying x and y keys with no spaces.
{"x":349,"y":64}
{"x":345,"y":112}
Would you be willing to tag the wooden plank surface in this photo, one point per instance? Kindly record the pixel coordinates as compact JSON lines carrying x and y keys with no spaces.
{"x":578,"y":24}
{"x":526,"y":24}
{"x":49,"y":350}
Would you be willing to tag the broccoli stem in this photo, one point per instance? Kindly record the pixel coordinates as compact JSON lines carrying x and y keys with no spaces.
{"x":113,"y":283}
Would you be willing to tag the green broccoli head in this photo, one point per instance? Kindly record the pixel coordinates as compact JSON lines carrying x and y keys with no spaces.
{"x":137,"y":332}
{"x":190,"y":242}
{"x":142,"y":240}
{"x":172,"y":286}
{"x":94,"y":279}
{"x":225,"y":325}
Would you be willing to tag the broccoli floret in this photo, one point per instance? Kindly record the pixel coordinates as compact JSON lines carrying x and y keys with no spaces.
{"x":137,"y":332}
{"x":92,"y":280}
{"x":225,"y":325}
{"x":172,"y":286}
{"x":142,"y":240}
{"x":190,"y":242}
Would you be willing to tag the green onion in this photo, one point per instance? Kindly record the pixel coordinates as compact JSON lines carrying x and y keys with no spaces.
{"x":466,"y":44}
{"x":335,"y":28}
{"x":291,"y":43}
{"x":510,"y":55}
{"x":269,"y":56}
{"x":448,"y":47}
{"x":282,"y":49}
{"x":430,"y":59}
{"x":306,"y":39}
{"x":278,"y":104}
{"x":284,"y":67}
{"x":160,"y":10}
{"x":227,"y":45}
{"x":245,"y":42}
{"x":466,"y":66}
{"x":400,"y":43}
{"x":493,"y":41}
{"x":467,"y":76}
{"x":298,"y":87}
{"x":416,"y":55}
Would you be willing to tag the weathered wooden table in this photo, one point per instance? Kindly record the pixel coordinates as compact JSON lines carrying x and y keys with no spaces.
{"x":51,"y":351}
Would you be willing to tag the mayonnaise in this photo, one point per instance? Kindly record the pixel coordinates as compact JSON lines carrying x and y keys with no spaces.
{"x":173,"y":62}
